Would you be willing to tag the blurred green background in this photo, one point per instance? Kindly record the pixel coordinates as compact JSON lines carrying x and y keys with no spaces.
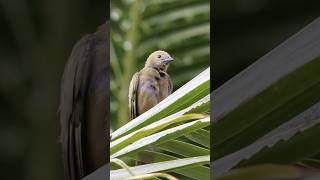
{"x":36,"y":38}
{"x":139,"y":27}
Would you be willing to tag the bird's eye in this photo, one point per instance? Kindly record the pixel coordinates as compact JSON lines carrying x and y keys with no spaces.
{"x":159,"y":56}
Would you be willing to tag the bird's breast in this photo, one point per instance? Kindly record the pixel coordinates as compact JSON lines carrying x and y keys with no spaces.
{"x":149,"y":87}
{"x":164,"y":84}
{"x":158,"y":87}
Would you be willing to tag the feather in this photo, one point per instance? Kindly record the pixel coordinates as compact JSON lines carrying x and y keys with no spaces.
{"x":133,"y":88}
{"x":83,"y":88}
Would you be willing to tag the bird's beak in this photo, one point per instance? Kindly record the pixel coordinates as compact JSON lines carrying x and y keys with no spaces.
{"x":168,"y":59}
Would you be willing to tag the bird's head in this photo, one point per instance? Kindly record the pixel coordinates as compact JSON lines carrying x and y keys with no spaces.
{"x":159,"y":59}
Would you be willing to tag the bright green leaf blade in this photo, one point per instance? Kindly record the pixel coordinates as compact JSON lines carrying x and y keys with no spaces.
{"x":203,"y":132}
{"x":181,"y":116}
{"x":160,"y":167}
{"x":150,"y":129}
{"x":199,"y":139}
{"x":164,"y":136}
{"x":195,"y":172}
{"x":183,"y":148}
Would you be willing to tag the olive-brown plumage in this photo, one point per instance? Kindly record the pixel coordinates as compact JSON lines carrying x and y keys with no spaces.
{"x":150,"y":85}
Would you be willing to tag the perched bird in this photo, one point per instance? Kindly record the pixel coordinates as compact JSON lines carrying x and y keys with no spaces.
{"x":150,"y":85}
{"x":84,"y":106}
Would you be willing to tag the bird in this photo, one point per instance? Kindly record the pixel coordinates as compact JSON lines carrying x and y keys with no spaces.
{"x":151,"y":84}
{"x":84,"y":106}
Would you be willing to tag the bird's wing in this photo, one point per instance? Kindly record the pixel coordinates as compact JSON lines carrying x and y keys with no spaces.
{"x":84,"y":106}
{"x":97,"y":103}
{"x":133,"y":96}
{"x":73,"y":93}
